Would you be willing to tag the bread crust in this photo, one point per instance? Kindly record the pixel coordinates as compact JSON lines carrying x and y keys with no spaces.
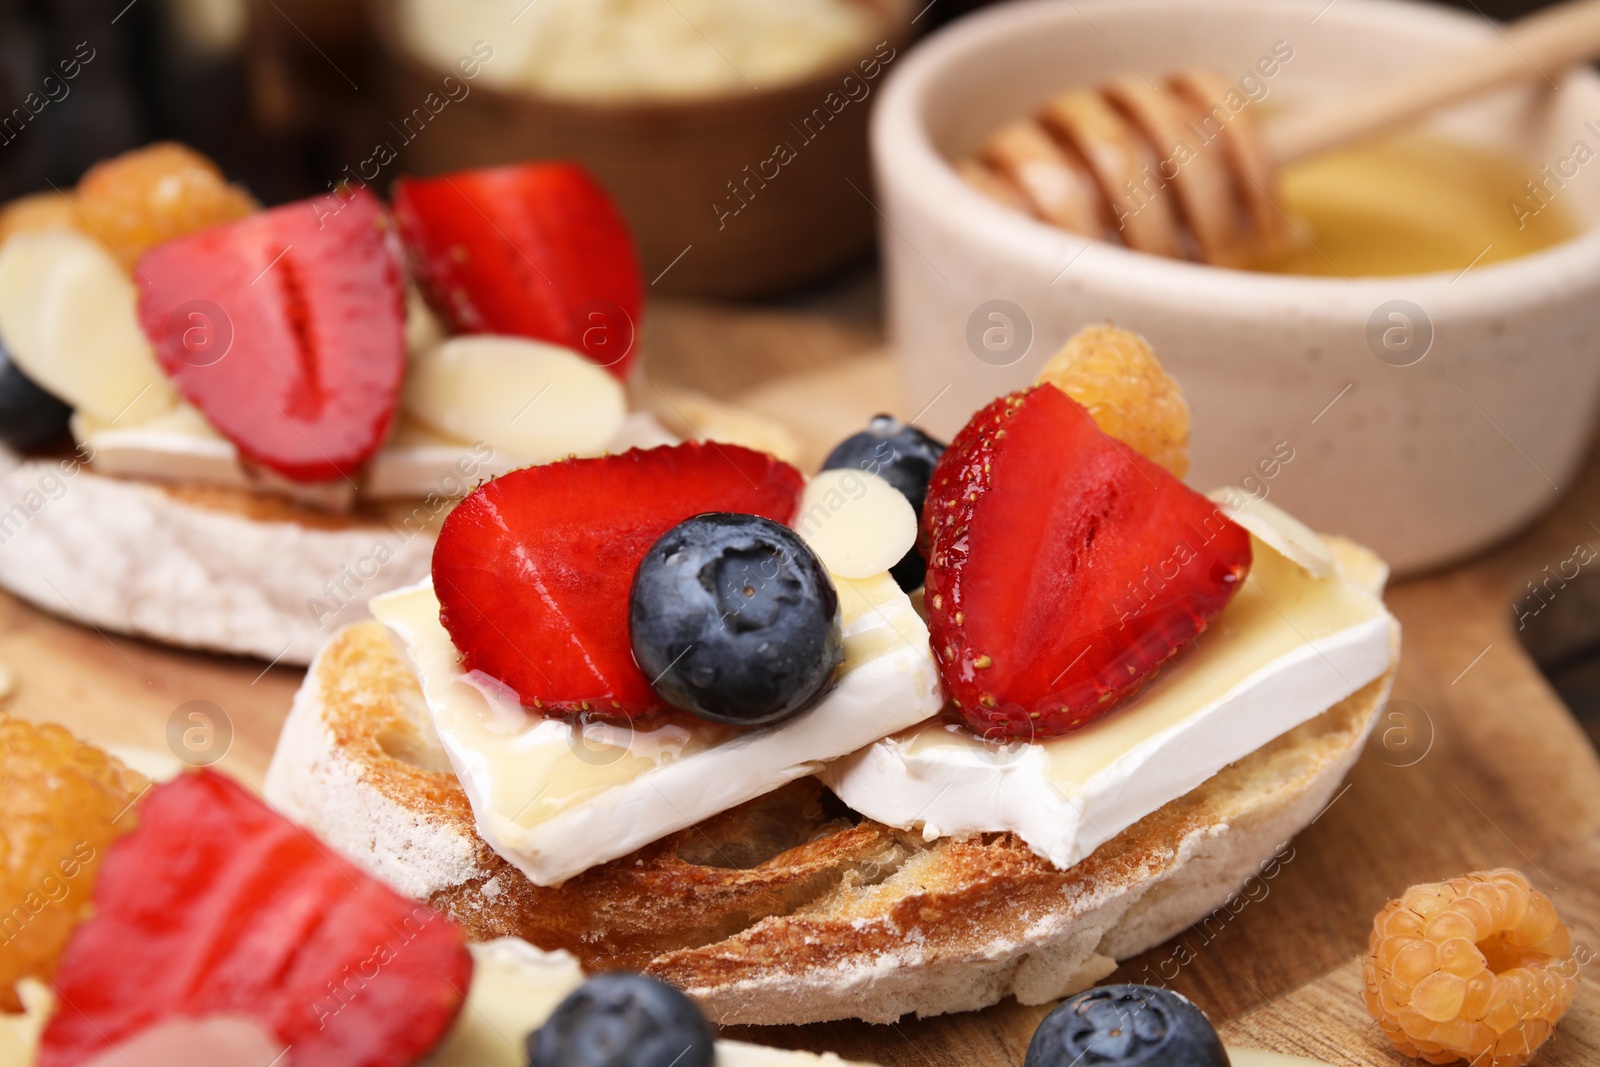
{"x":218,"y":569}
{"x":790,"y":909}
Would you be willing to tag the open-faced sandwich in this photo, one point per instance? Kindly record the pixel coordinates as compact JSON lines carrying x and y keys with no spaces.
{"x":184,"y":923}
{"x":684,"y":711}
{"x":176,"y":921}
{"x":272,"y":410}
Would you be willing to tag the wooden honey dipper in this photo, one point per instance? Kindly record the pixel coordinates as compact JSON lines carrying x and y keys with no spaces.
{"x":1172,"y":170}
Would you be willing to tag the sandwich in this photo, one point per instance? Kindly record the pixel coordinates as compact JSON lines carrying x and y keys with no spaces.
{"x":937,"y":726}
{"x":153,"y":923}
{"x":227,"y":428}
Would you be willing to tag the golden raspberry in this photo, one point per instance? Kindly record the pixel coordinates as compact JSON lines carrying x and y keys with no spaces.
{"x":64,"y":802}
{"x":1116,"y":376}
{"x":153,"y":194}
{"x":41,"y":211}
{"x":1477,"y":970}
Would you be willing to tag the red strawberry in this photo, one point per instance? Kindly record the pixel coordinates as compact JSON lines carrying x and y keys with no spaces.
{"x":1064,"y":567}
{"x":533,"y":570}
{"x":287,"y":329}
{"x":532,"y":249}
{"x":216,"y":904}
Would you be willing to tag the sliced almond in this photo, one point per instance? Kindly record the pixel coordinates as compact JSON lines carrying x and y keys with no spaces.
{"x":1278,"y":529}
{"x":68,"y":317}
{"x":531,"y":402}
{"x":858,"y":524}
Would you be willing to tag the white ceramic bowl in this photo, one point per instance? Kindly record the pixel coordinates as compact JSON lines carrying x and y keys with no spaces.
{"x":1426,"y":461}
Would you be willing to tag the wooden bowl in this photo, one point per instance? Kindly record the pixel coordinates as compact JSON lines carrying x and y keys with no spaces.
{"x":713,"y":205}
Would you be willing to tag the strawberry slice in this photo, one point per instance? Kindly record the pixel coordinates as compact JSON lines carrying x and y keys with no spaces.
{"x":1064,"y":567}
{"x":533,"y":249}
{"x":287,"y":330}
{"x":217,"y":905}
{"x":533,"y":569}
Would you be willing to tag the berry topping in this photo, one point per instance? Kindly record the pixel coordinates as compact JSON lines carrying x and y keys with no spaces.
{"x":904,"y":457}
{"x":735,"y":619}
{"x":532,"y":249}
{"x":1475,"y":970}
{"x":623,"y":1020}
{"x":139,"y":199}
{"x":1063,"y":567}
{"x":29,"y":416}
{"x":1115,"y":375}
{"x":286,"y":329}
{"x":217,"y":905}
{"x":533,"y":569}
{"x":1126,"y":1026}
{"x":38,"y":212}
{"x":64,"y":803}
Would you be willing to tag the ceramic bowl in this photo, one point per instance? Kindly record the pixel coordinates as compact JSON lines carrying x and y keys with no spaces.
{"x":716,"y":207}
{"x":1426,"y":416}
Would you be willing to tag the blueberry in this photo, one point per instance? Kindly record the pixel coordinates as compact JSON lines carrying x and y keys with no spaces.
{"x":29,"y":416}
{"x":904,"y":457}
{"x":1126,"y":1026}
{"x":734,"y":619}
{"x":623,"y":1020}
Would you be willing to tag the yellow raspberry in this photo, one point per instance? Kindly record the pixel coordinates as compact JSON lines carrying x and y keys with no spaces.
{"x":1116,"y":376}
{"x":1475,"y":970}
{"x":141,"y":198}
{"x":41,"y":211}
{"x":64,"y":801}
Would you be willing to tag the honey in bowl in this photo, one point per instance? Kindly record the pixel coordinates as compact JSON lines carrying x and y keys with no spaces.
{"x":1122,"y":164}
{"x":1413,"y":205}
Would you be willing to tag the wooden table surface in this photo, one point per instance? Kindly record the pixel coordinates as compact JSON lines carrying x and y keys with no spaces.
{"x":1479,"y":765}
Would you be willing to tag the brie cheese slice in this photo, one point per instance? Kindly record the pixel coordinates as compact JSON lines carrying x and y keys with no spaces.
{"x":556,"y":797}
{"x":416,"y":464}
{"x":516,"y":987}
{"x":1288,"y":647}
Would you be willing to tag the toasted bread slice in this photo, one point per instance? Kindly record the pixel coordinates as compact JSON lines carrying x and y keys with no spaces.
{"x":235,"y":571}
{"x":218,"y":569}
{"x":791,"y":909}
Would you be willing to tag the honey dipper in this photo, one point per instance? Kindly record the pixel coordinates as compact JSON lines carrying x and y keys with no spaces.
{"x":1172,"y":170}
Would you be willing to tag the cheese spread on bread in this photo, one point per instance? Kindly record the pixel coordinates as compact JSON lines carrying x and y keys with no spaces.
{"x":556,"y":797}
{"x":180,"y":447}
{"x":1289,"y":646}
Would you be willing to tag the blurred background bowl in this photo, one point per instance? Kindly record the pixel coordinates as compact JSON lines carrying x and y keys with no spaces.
{"x":1425,"y":457}
{"x":671,"y":164}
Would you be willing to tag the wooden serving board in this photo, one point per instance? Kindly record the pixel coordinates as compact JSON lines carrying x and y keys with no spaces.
{"x":1477,"y":765}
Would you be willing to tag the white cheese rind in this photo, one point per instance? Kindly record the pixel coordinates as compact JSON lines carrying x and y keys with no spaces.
{"x":600,"y":807}
{"x":181,"y":448}
{"x":960,"y":785}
